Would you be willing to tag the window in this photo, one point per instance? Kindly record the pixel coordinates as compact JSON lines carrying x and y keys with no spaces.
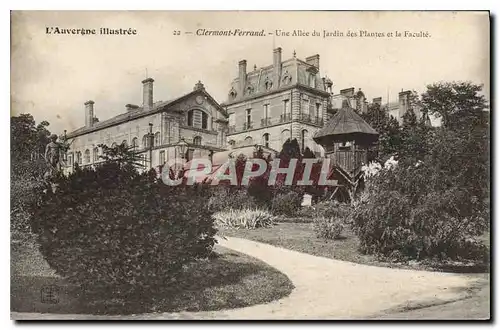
{"x":266,"y":111}
{"x":318,"y":110}
{"x":197,"y":141}
{"x":232,"y":121}
{"x":312,"y":80}
{"x":232,"y":143}
{"x":96,"y":154}
{"x":113,"y":145}
{"x":249,"y":117}
{"x":78,"y":157}
{"x":157,"y":139}
{"x":161,"y":159}
{"x":285,"y":135}
{"x":304,"y":137}
{"x":204,"y":120}
{"x":87,"y":156}
{"x":305,"y":107}
{"x":268,"y":84}
{"x":190,"y":118}
{"x":248,"y":140}
{"x":70,"y":159}
{"x":286,"y":107}
{"x":145,"y":141}
{"x":265,"y":140}
{"x":125,"y":143}
{"x":135,"y":143}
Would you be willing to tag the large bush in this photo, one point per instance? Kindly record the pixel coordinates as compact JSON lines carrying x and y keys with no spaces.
{"x":287,"y":202}
{"x":114,"y":227}
{"x":228,"y":197}
{"x":328,"y":227}
{"x":415,"y":212}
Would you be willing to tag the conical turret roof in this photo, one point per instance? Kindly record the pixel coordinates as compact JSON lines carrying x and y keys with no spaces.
{"x":346,"y":123}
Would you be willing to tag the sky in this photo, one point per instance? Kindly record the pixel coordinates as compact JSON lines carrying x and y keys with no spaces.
{"x":53,"y":75}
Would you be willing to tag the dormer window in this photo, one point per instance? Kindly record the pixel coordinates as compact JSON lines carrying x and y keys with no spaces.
{"x":268,"y":84}
{"x":249,"y":90}
{"x":286,"y":78}
{"x":197,"y":118}
{"x":232,"y":94}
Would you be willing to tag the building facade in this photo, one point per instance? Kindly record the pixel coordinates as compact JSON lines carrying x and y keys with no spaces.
{"x":271,"y":104}
{"x":154,"y":129}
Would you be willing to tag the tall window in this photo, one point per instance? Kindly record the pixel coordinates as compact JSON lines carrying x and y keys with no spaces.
{"x":125,"y":143}
{"x":79,"y":157}
{"x":96,"y":154}
{"x":318,"y":110}
{"x":249,"y":117}
{"x":87,"y":156}
{"x":285,"y":135}
{"x":204,"y":120}
{"x":135,"y":143}
{"x":145,"y":141}
{"x":157,"y":139}
{"x":266,"y":111}
{"x":304,"y":138}
{"x":305,"y":107}
{"x":70,"y":159}
{"x":286,"y":107}
{"x":161,"y":159}
{"x":197,"y":141}
{"x":265,"y":139}
{"x":191,"y":118}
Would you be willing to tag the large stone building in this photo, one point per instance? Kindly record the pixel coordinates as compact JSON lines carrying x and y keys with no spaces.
{"x":268,"y":105}
{"x":196,"y":117}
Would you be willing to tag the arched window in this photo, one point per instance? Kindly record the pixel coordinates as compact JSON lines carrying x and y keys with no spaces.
{"x":87,"y":156}
{"x":113,"y":145}
{"x":96,"y":154}
{"x":197,"y":141}
{"x":78,"y":157}
{"x":198,"y":118}
{"x":157,"y":139}
{"x":285,"y":135}
{"x":265,"y":140}
{"x":125,"y":143}
{"x":135,"y":143}
{"x":145,"y":141}
{"x":248,"y":140}
{"x":268,"y":84}
{"x":304,"y":137}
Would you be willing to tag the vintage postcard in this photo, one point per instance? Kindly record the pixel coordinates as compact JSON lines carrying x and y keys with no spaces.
{"x":250,"y":165}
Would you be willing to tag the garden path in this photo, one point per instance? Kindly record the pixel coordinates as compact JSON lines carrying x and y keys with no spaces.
{"x":324,"y":289}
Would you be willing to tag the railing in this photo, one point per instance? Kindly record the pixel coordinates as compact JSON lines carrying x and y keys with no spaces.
{"x":307,"y":118}
{"x":264,"y":122}
{"x":285,"y":118}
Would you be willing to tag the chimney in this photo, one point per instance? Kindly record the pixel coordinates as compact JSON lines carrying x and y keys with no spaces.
{"x":348,"y":92}
{"x":147,"y":93}
{"x":89,"y":113}
{"x":377,"y":100}
{"x":242,"y":76}
{"x":404,"y":98}
{"x":276,"y":67}
{"x":313,"y":60}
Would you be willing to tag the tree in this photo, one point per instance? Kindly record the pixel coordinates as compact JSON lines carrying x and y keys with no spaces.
{"x":387,"y":127}
{"x":27,"y":137}
{"x":459,"y":104}
{"x":121,"y":154}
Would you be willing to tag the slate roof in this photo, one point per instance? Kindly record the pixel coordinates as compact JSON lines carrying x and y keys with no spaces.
{"x":345,"y":121}
{"x":137,"y":113}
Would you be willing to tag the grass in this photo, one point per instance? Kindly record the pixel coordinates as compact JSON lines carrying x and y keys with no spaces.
{"x":300,"y":236}
{"x":231,"y":280}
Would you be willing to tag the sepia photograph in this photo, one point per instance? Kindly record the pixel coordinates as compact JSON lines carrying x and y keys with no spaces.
{"x":250,"y":165}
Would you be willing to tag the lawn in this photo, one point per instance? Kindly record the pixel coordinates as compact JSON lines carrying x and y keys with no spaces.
{"x":230,"y":280}
{"x":300,"y":236}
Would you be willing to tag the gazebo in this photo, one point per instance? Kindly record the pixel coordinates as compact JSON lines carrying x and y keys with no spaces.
{"x":349,"y":142}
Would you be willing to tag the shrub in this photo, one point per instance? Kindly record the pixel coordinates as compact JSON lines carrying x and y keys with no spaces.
{"x":22,"y":195}
{"x":287,"y":203}
{"x":113,"y":227}
{"x":328,"y":227}
{"x":414,"y":213}
{"x":248,"y":218}
{"x":329,"y":209}
{"x":224,"y":198}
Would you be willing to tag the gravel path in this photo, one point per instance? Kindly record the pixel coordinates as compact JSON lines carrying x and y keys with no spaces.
{"x":324,"y":289}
